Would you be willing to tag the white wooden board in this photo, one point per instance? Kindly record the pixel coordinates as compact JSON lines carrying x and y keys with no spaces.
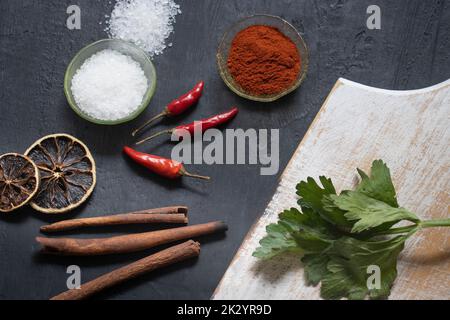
{"x":357,"y":124}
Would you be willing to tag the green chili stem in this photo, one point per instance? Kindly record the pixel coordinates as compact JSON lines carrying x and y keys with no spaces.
{"x":162,"y":114}
{"x":154,"y":136}
{"x":183,"y":172}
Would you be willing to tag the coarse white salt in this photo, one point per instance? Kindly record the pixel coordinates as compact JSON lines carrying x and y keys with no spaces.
{"x":109,"y":85}
{"x":146,"y":23}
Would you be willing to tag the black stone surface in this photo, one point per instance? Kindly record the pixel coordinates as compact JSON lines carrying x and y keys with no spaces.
{"x":412,"y":50}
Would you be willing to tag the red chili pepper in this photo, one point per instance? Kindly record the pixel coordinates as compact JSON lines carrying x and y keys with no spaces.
{"x":204,"y":124}
{"x":177,"y":106}
{"x":164,"y":167}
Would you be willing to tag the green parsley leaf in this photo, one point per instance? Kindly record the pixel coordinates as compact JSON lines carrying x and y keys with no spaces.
{"x":369,"y":212}
{"x":312,"y":196}
{"x":279,"y":239}
{"x":295,"y":230}
{"x":379,"y":186}
{"x":315,"y":267}
{"x":339,"y":235}
{"x":349,"y":268}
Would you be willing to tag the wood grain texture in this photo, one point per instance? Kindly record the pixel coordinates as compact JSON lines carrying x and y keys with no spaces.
{"x":357,"y":124}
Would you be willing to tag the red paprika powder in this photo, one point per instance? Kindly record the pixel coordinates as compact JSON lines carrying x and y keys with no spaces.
{"x":263,"y":61}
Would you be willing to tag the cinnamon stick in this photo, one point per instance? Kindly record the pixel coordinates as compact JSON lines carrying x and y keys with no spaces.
{"x":126,"y":243}
{"x":186,"y":250}
{"x":158,"y":215}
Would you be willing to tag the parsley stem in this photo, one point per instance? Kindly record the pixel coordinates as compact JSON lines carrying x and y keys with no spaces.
{"x":398,"y":230}
{"x":435,"y":223}
{"x":413,"y":228}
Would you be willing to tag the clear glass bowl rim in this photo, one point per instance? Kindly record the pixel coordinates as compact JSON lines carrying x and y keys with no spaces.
{"x":148,"y":94}
{"x":295,"y":85}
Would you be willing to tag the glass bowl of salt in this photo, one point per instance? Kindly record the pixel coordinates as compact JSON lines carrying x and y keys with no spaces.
{"x":110,"y":82}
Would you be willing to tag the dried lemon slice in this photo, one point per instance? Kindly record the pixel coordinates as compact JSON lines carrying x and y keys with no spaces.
{"x":67,"y":173}
{"x":19,"y":181}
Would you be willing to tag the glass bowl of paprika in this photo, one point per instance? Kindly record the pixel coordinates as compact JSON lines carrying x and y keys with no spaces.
{"x":262,"y":58}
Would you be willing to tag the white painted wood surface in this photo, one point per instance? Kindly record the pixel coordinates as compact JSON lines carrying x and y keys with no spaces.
{"x":357,"y":124}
